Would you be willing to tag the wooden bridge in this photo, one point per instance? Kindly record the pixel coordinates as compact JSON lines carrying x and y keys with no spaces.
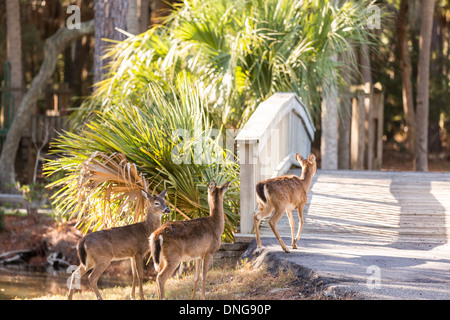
{"x":393,"y":227}
{"x":396,"y":224}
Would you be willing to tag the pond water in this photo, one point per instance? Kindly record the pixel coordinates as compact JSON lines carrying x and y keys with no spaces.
{"x":22,"y":284}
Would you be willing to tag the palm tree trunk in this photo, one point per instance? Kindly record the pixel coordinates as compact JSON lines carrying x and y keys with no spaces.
{"x":423,"y":79}
{"x":405,"y":66}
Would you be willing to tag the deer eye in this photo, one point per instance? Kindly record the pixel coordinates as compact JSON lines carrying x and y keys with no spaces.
{"x":157,"y":204}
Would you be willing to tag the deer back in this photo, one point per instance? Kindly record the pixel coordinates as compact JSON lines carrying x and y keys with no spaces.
{"x":126,"y":241}
{"x":191,"y":239}
{"x":290,"y":190}
{"x":281,"y":190}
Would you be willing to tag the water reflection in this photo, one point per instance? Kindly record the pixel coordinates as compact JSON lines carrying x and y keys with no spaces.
{"x":19,"y":283}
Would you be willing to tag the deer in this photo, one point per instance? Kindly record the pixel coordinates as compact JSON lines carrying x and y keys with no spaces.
{"x":196,"y":239}
{"x":96,"y":250}
{"x":282,"y":194}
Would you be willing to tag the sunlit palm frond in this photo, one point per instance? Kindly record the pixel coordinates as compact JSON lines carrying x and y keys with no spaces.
{"x":103,"y":180}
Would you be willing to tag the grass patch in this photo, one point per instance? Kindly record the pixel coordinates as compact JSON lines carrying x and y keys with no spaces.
{"x":225,"y":281}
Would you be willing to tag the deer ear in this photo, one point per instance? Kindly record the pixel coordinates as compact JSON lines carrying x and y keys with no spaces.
{"x":299,"y":159}
{"x":146,"y":195}
{"x":212,"y":186}
{"x":311,"y":158}
{"x":162,"y":194}
{"x":225,"y":186}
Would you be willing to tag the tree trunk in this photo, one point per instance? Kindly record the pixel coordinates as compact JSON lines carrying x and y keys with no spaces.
{"x":52,"y":48}
{"x":109,"y":15}
{"x":133,"y":17}
{"x":329,"y":126}
{"x":405,"y":66}
{"x":366,"y":75}
{"x":423,"y":79}
{"x":14,"y":48}
{"x":144,"y":15}
{"x":345,"y":116}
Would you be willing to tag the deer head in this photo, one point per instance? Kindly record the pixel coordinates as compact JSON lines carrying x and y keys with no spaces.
{"x":156,"y":204}
{"x":308,"y":165}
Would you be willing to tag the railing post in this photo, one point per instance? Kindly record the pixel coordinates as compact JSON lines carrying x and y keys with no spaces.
{"x":248,"y":166}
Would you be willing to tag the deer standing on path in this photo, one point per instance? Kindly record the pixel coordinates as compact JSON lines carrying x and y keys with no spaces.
{"x":96,"y":250}
{"x":284,"y":194}
{"x":196,"y":239}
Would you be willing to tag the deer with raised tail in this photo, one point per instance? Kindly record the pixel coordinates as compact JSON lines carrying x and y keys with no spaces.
{"x":96,"y":250}
{"x":282,"y":194}
{"x":196,"y":239}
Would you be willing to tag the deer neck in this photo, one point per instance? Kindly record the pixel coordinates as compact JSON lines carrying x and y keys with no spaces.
{"x":306,"y":177}
{"x":153,"y":221}
{"x":216,"y":210}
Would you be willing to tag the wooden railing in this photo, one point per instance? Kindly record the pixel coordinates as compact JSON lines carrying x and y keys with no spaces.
{"x":279,"y":127}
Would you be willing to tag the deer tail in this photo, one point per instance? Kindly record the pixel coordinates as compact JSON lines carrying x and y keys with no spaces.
{"x":155,"y":249}
{"x":82,"y":251}
{"x":261,"y":193}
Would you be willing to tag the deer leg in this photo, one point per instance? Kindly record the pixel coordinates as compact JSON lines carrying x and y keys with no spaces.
{"x":164,"y":274}
{"x":263,"y":211}
{"x":81,"y":272}
{"x":205,"y":266}
{"x":291,"y":224}
{"x":139,"y":266}
{"x":273,"y":222}
{"x":133,"y":271}
{"x":300,"y":225}
{"x":95,"y":274}
{"x":162,"y":265}
{"x":197,"y":275}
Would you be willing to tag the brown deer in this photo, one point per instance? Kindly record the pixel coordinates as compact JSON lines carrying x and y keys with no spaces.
{"x":196,"y":239}
{"x":284,"y":194}
{"x":96,"y":250}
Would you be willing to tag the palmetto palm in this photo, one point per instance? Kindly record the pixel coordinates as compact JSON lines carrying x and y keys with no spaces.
{"x":241,"y":52}
{"x":248,"y":50}
{"x":165,"y":141}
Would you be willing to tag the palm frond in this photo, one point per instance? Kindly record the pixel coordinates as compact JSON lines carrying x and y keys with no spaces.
{"x":165,"y":140}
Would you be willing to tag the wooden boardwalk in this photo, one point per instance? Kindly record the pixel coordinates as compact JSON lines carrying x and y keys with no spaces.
{"x":376,"y":206}
{"x":360,"y":221}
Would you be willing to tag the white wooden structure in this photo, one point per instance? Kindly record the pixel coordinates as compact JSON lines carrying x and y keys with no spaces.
{"x":279,"y":127}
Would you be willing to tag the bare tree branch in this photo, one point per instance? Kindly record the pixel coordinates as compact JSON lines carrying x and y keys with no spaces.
{"x":52,"y":48}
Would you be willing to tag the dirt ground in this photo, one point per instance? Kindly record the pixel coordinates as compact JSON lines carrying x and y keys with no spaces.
{"x":42,"y":234}
{"x":46,"y":236}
